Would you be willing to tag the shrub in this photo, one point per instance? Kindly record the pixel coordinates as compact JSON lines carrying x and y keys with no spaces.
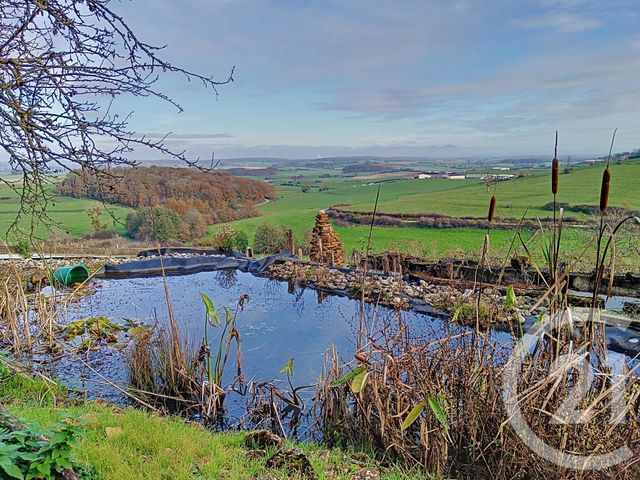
{"x":270,"y":238}
{"x":95,"y":213}
{"x":242,"y":241}
{"x":228,"y":239}
{"x":23,"y":247}
{"x":100,"y":235}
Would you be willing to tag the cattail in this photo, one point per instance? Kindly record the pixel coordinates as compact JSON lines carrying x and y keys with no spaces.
{"x":492,"y":209}
{"x":555,"y":167}
{"x":604,"y":189}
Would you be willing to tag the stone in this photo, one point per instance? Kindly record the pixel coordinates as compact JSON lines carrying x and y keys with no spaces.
{"x":262,"y":439}
{"x":366,"y":474}
{"x":294,"y":460}
{"x":326,"y":246}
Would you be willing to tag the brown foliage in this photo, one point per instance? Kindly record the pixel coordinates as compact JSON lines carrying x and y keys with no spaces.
{"x":218,"y":197}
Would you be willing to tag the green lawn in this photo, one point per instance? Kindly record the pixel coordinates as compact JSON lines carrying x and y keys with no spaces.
{"x":133,"y":444}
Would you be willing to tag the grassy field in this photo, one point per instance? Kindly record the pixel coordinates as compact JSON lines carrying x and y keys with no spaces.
{"x":297,"y":210}
{"x":69,"y":213}
{"x":580,"y":187}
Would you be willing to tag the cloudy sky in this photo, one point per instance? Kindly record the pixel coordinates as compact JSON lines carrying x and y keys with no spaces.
{"x":408,"y":77}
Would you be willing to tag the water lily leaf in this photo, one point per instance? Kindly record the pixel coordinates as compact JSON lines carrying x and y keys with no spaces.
{"x":359,"y":382}
{"x":137,"y":331}
{"x":288,"y":368}
{"x":511,"y":301}
{"x":210,"y":309}
{"x":352,"y":374}
{"x":437,"y":410}
{"x":413,"y":416}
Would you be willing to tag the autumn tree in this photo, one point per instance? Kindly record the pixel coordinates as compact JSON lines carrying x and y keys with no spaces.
{"x":95,"y":213}
{"x":63,"y":65}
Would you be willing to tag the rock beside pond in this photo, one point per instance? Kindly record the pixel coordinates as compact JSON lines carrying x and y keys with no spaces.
{"x":394,"y":292}
{"x":293,"y":460}
{"x":366,"y":474}
{"x":262,"y":439}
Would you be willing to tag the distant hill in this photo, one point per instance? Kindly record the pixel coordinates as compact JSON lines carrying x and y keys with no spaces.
{"x":218,"y":196}
{"x":251,"y":172}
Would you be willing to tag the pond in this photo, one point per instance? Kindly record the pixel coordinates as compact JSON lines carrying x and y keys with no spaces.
{"x":278,"y":323}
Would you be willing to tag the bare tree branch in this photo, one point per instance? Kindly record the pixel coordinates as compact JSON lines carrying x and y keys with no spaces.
{"x":61,"y":62}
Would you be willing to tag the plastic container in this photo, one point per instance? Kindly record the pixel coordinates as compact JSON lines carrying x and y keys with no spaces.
{"x":69,"y":275}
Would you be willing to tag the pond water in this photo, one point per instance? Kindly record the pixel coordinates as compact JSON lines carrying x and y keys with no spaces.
{"x":277,"y":323}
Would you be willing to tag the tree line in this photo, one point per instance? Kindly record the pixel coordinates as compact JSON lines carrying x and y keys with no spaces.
{"x":217,"y":196}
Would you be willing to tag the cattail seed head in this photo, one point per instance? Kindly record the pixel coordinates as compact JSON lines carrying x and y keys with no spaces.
{"x":604,"y":189}
{"x":492,"y":209}
{"x":555,"y":171}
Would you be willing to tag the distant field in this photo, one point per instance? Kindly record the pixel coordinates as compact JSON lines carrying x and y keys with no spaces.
{"x":68,"y":212}
{"x":582,"y":186}
{"x":297,"y":210}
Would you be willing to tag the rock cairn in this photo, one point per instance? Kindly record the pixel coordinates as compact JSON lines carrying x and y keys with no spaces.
{"x":326,"y":247}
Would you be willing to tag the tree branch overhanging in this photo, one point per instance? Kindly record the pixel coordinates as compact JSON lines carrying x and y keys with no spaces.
{"x":62,"y":64}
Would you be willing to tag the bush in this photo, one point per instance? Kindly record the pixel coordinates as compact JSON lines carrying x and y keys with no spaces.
{"x":242,"y":241}
{"x":270,"y":238}
{"x":100,"y":235}
{"x":228,"y":239}
{"x":154,"y":224}
{"x":23,"y":247}
{"x":225,"y":238}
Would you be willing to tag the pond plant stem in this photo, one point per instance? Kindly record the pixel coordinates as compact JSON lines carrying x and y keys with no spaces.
{"x":364,"y":270}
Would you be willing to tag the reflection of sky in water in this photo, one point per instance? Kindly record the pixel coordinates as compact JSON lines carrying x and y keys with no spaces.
{"x":276,"y":324}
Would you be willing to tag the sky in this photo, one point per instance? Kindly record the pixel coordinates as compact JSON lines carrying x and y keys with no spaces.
{"x":394,"y":78}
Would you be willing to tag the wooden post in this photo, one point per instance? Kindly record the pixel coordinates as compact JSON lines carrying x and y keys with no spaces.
{"x":290,"y":245}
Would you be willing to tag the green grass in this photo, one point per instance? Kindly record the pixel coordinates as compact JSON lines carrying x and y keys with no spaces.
{"x":297,"y":210}
{"x":69,"y":213}
{"x":136,"y":445}
{"x":582,"y":186}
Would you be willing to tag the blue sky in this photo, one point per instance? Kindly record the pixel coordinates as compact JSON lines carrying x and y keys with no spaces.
{"x":430,"y":78}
